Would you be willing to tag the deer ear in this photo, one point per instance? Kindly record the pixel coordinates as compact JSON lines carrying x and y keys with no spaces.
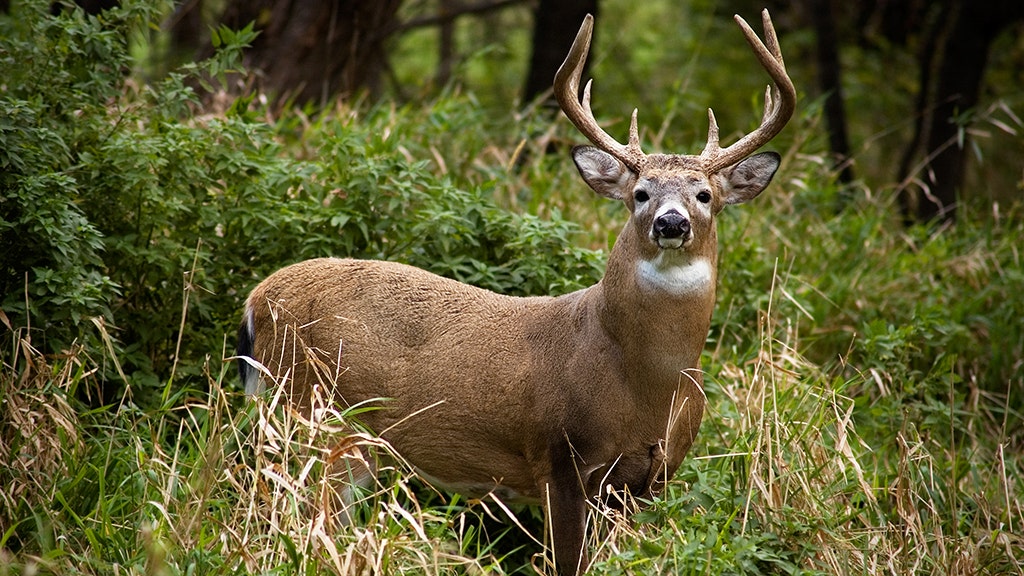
{"x":603,"y":172}
{"x":746,"y":179}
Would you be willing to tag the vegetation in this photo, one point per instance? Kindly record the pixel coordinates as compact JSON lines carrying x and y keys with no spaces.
{"x":864,"y":380}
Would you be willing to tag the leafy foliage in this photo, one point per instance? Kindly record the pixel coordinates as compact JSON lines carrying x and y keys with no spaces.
{"x":115,"y":206}
{"x":58,"y":75}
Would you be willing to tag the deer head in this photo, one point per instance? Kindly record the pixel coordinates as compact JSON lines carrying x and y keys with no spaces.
{"x":673,"y":198}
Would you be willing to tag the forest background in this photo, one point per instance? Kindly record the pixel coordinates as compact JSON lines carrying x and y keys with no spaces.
{"x":865,"y":370}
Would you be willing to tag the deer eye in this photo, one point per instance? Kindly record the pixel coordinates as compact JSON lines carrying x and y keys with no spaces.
{"x":641,"y":196}
{"x":704,"y":197}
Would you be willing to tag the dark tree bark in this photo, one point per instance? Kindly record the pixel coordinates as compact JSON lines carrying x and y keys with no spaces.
{"x":310,"y":50}
{"x":951,"y":82}
{"x":91,"y":7}
{"x":555,"y":23}
{"x":908,"y":198}
{"x":448,"y":12}
{"x":446,"y":42}
{"x":186,"y":29}
{"x":830,"y":84}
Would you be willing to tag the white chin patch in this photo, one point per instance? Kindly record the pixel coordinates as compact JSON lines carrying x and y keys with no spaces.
{"x":677,"y":276}
{"x":670,"y":243}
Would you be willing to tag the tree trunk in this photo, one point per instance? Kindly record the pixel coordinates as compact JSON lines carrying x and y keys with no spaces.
{"x":830,"y":84}
{"x":186,"y":30}
{"x":310,"y":51}
{"x":446,"y":42}
{"x":959,"y":67}
{"x":555,"y":23}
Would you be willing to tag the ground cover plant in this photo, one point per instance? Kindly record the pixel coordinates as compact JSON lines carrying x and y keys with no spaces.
{"x":864,"y":380}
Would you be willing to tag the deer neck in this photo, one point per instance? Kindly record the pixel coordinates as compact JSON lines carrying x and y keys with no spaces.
{"x":656,"y":305}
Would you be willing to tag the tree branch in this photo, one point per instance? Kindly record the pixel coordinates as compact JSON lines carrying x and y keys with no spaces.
{"x":449,"y":16}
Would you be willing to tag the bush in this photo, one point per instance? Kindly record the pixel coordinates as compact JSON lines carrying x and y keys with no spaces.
{"x":121,"y":204}
{"x":58,"y":76}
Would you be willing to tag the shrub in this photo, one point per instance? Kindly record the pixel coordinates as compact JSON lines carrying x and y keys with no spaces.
{"x":122,"y":204}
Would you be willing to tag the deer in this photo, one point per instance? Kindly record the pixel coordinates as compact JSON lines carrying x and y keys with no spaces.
{"x":562,"y":401}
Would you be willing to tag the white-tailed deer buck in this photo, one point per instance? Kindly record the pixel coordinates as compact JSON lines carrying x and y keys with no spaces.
{"x":549,"y":400}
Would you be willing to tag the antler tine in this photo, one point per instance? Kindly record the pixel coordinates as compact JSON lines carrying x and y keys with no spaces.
{"x":771,"y":40}
{"x":779,"y":100}
{"x":712,"y":131}
{"x":566,"y":88}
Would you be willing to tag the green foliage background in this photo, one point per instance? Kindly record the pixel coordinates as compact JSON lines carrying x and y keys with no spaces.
{"x":115,"y":203}
{"x":853,"y":366}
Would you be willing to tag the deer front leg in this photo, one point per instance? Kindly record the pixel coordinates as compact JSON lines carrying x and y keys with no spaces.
{"x":567,"y":511}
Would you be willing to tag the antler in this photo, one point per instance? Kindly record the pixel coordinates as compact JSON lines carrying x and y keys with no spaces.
{"x":567,"y":89}
{"x":779,"y":102}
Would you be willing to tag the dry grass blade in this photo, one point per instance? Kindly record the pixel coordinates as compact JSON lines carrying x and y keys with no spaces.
{"x":38,"y":428}
{"x":293,"y":500}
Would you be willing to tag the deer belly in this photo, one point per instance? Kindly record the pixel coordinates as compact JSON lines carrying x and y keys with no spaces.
{"x":473,"y":489}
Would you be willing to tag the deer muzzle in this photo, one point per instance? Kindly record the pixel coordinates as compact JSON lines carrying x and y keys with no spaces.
{"x":672,"y":230}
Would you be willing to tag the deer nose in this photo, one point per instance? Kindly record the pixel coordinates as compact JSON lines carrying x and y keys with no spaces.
{"x":671,"y":224}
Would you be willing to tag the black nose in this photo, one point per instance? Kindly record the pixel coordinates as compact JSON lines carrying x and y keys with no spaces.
{"x":672,"y":225}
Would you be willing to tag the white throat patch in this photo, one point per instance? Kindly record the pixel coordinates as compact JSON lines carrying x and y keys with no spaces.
{"x":666,"y":273}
